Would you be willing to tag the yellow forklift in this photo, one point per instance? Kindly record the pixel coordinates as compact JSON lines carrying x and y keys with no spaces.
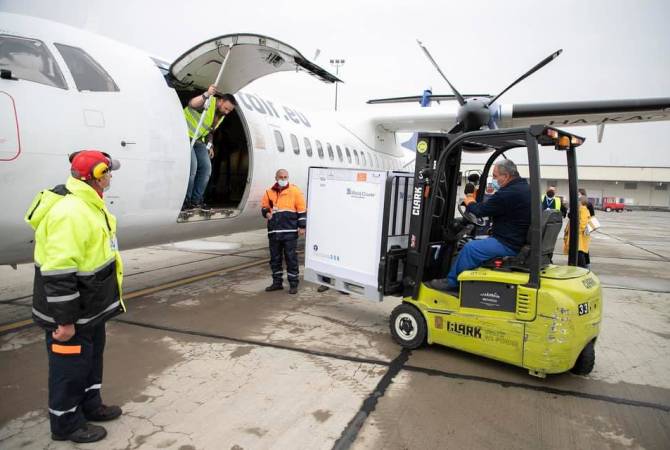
{"x":522,"y":310}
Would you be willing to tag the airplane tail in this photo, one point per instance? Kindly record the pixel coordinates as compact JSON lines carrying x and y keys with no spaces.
{"x":425,"y":102}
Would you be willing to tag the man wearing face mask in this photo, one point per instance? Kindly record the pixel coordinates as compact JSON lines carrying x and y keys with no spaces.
{"x":509,"y":209}
{"x":550,"y":200}
{"x":77,"y":288}
{"x":283,"y":206}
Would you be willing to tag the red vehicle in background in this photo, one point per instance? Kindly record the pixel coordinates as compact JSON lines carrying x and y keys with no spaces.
{"x":612,"y":204}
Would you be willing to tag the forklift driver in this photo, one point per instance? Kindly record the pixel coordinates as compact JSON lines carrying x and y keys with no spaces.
{"x":509,"y":209}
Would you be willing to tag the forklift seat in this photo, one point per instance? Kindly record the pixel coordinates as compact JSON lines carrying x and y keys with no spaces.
{"x":551,"y":222}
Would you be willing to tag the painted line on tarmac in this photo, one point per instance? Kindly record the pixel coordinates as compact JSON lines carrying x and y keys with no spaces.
{"x":350,"y":433}
{"x":305,"y":351}
{"x":433,"y":372}
{"x":239,"y":253}
{"x":16,"y":299}
{"x":219,"y":255}
{"x":544,"y":389}
{"x":624,"y":288}
{"x":626,"y":241}
{"x":15,"y":326}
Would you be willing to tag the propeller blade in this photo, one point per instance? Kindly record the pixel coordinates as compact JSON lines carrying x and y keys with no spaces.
{"x":458,"y":95}
{"x":537,"y":67}
{"x":417,"y":98}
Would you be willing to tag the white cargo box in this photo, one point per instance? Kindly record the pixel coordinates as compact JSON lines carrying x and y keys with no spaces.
{"x":345,"y":221}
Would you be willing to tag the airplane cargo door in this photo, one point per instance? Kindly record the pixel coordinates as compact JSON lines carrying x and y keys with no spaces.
{"x":248,"y":57}
{"x":10,"y":141}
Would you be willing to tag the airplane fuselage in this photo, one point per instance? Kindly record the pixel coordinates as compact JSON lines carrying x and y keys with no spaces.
{"x":142,"y":124}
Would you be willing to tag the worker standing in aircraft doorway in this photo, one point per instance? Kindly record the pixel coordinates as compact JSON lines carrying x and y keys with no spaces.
{"x":202,"y":151}
{"x":283,"y":205}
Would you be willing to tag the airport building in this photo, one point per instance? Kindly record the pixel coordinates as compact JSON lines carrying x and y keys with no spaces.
{"x":635,"y":187}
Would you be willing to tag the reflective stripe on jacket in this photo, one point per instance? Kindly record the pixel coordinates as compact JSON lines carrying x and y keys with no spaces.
{"x":193,"y":118}
{"x":288,"y":211}
{"x":78,"y":268}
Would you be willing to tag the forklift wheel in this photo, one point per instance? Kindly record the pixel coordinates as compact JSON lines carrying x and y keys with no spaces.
{"x":586,"y":360}
{"x":408,"y":326}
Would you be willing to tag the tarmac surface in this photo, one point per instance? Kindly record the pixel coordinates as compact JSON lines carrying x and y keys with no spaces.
{"x":214,"y":362}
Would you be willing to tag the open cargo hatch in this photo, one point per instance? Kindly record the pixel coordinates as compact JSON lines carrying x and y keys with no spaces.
{"x":252,"y":56}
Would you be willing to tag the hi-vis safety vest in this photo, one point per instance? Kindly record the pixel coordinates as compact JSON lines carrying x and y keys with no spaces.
{"x":548,"y":204}
{"x":78,"y":268}
{"x":193,"y":118}
{"x":288,"y":211}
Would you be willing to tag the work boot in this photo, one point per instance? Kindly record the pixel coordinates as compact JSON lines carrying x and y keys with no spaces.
{"x":441,"y":284}
{"x":104,"y":413}
{"x":86,"y":433}
{"x":274,"y":287}
{"x":322,"y":288}
{"x":293,"y":290}
{"x":204,"y":207}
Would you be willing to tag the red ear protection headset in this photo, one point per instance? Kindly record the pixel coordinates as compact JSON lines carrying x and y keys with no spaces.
{"x":92,"y":166}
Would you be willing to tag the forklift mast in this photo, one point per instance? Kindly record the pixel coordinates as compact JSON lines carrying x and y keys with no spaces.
{"x":432,"y":204}
{"x":423,"y":217}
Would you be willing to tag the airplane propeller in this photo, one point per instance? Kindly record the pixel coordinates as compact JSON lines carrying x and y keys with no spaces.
{"x":459,"y":97}
{"x":476,"y":113}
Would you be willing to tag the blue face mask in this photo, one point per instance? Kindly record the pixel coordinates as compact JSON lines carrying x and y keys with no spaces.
{"x":282,"y":183}
{"x":495,"y":184}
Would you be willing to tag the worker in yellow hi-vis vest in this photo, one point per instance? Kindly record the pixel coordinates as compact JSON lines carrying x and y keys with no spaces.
{"x":201,"y":134}
{"x":77,"y":289}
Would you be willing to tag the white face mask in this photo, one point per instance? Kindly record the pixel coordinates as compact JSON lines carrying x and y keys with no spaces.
{"x":282,"y":183}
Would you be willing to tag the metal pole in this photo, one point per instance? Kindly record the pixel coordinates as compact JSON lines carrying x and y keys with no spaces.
{"x":209,"y":99}
{"x":536,"y":212}
{"x":574,"y":207}
{"x":336,"y":73}
{"x":336,"y":63}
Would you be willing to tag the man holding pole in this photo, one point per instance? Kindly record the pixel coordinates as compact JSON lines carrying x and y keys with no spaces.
{"x":203,"y":117}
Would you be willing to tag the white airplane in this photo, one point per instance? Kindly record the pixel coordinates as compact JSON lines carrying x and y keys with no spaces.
{"x":63,"y":89}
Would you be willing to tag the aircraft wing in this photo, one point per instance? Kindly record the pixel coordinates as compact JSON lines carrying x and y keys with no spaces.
{"x":564,"y":114}
{"x":251,"y":56}
{"x":603,"y":112}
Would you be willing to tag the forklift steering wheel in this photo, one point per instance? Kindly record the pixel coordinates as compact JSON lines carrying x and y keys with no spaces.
{"x":478,"y":221}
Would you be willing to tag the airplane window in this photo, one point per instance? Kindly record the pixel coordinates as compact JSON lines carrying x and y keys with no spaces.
{"x":358,"y":161}
{"x":346,"y":150}
{"x":87,"y":73}
{"x":30,"y":60}
{"x":365,"y":163}
{"x":308,"y":147}
{"x":294,"y":143}
{"x":330,"y":152}
{"x":319,"y":149}
{"x":339,"y":153}
{"x":280,"y":141}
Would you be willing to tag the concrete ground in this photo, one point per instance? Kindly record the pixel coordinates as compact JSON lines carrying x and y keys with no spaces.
{"x":217,"y":363}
